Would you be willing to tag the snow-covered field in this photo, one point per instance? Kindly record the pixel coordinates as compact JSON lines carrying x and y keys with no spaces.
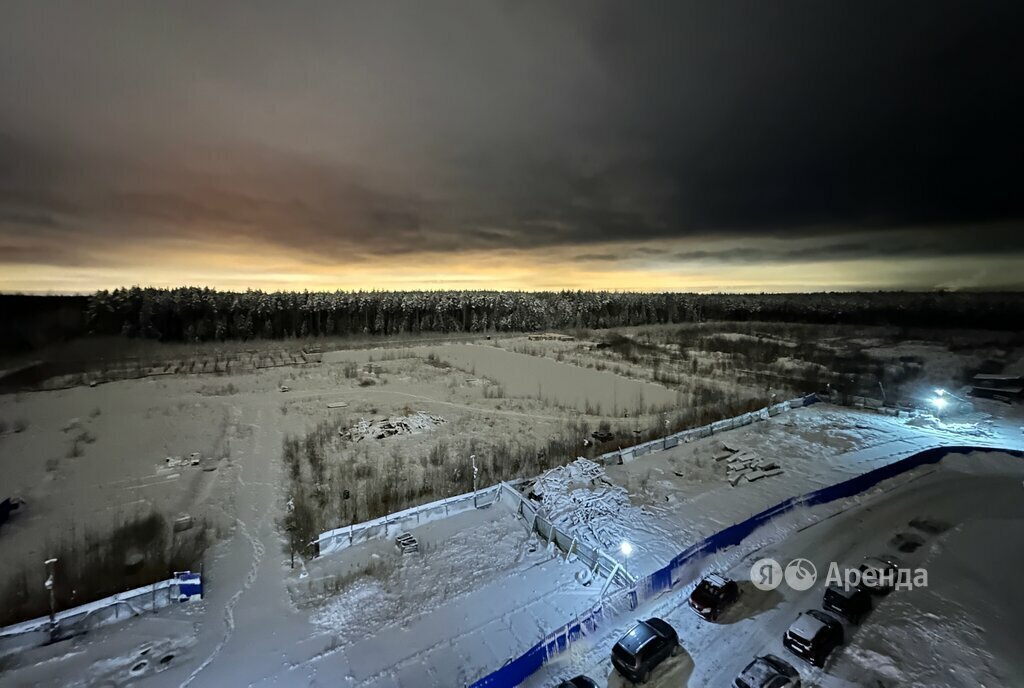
{"x":481,"y":590}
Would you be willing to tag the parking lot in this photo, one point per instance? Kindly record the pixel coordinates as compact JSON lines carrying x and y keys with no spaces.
{"x":976,"y":499}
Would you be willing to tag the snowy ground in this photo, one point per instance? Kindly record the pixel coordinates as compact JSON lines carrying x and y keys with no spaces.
{"x":475,"y":597}
{"x":959,"y":631}
{"x":448,"y":614}
{"x":682,"y":495}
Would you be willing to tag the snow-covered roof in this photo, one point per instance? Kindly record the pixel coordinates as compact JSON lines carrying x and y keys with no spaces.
{"x":1001,"y":390}
{"x":997,"y":378}
{"x":877,"y":563}
{"x":806,"y":626}
{"x":759,"y":672}
{"x":716,"y":580}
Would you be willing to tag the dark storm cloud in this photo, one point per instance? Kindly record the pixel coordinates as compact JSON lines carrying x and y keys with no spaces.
{"x":346,"y":131}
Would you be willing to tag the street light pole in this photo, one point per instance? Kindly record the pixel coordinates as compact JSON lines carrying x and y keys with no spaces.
{"x":50,"y":570}
{"x":626,"y":550}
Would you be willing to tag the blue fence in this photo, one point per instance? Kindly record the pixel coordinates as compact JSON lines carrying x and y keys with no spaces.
{"x":519,"y":669}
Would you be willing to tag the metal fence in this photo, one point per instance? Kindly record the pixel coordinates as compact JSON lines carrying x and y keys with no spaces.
{"x":596,"y":559}
{"x":719,"y":426}
{"x":386,"y":526}
{"x":185,"y":586}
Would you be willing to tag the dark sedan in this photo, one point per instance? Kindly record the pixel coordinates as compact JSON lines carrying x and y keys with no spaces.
{"x":712,"y":595}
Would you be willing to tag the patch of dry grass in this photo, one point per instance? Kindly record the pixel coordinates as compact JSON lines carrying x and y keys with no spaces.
{"x":94,"y":565}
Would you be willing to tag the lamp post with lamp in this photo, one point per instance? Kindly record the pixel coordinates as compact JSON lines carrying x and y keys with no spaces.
{"x":626,"y":550}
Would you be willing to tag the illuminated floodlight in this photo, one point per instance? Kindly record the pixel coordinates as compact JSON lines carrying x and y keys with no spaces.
{"x":626,"y":548}
{"x":940,"y":403}
{"x":940,"y":392}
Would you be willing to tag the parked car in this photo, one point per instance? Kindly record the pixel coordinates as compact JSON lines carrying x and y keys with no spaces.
{"x":813,"y":636}
{"x":644,"y":647}
{"x":768,"y":671}
{"x":712,"y":595}
{"x":877,"y":568}
{"x":578,"y":682}
{"x":851,"y":603}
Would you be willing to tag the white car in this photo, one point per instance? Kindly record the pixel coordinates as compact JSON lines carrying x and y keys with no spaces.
{"x":768,"y":671}
{"x":878,"y":574}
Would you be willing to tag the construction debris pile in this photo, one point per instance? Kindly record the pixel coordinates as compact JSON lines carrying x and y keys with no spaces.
{"x":578,"y":499}
{"x":388,"y":427}
{"x":407,"y":543}
{"x":743,"y":464}
{"x":192,"y":459}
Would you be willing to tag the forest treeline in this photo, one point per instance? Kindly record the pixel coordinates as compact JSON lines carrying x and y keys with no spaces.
{"x":198,"y":314}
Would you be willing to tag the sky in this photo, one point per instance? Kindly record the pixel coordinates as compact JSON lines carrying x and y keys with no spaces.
{"x":491,"y":144}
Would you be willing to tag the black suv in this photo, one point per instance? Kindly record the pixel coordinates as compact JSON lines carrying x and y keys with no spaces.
{"x":850,"y":603}
{"x":813,"y":636}
{"x":768,"y":671}
{"x":643,"y":647}
{"x":712,"y":595}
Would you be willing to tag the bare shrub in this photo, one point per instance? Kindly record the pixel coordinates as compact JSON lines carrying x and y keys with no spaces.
{"x":93,"y":565}
{"x":433,"y":360}
{"x":438,"y":454}
{"x":219,"y":391}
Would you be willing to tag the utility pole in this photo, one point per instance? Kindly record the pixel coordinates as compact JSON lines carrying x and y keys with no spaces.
{"x":51,"y":565}
{"x":291,"y":528}
{"x":472,"y":457}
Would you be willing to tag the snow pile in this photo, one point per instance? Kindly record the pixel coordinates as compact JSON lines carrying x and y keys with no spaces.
{"x":971,"y":426}
{"x":578,"y":499}
{"x":388,"y":427}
